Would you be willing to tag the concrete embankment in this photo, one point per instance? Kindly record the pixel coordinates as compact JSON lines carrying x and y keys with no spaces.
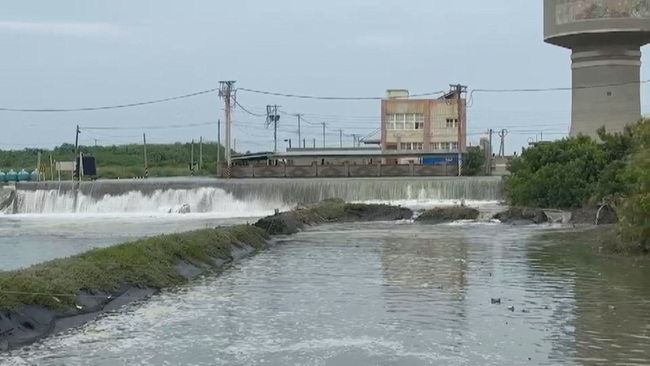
{"x":50,"y":297}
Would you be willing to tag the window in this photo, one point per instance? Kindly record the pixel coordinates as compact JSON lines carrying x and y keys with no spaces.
{"x":405,"y":122}
{"x":452,"y":122}
{"x":454,"y":145}
{"x":411,"y":146}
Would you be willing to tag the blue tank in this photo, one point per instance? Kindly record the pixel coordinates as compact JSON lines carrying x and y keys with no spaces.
{"x":3,"y":177}
{"x":11,"y":176}
{"x":23,"y":175}
{"x":34,"y":176}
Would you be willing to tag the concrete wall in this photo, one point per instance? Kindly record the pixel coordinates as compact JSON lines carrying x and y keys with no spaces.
{"x":334,"y":171}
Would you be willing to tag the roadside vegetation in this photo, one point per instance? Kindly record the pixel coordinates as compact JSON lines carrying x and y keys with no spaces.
{"x":123,"y":161}
{"x":579,"y":171}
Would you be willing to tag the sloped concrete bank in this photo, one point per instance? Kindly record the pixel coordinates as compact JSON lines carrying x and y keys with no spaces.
{"x":53,"y":296}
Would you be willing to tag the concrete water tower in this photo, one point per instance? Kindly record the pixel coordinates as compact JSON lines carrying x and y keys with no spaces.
{"x":605,"y":37}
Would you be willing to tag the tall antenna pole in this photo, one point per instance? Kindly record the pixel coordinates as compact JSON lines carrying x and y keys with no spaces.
{"x":226,"y":93}
{"x":324,"y":127}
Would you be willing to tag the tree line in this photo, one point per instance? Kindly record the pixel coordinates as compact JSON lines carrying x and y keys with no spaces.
{"x":124,"y":160}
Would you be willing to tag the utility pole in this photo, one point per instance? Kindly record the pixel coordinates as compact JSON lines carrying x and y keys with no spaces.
{"x":272,"y":116}
{"x":200,"y":153}
{"x":304,"y":143}
{"x":340,"y":138}
{"x":324,"y":127}
{"x":299,"y":136}
{"x":192,"y":160}
{"x":354,"y":140}
{"x":314,"y":143}
{"x":489,"y":164}
{"x":459,"y":89}
{"x":218,"y":148}
{"x":76,"y":149}
{"x":226,"y":93}
{"x":146,"y":166}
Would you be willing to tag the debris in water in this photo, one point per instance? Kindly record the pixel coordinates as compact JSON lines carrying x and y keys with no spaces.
{"x":495,"y":301}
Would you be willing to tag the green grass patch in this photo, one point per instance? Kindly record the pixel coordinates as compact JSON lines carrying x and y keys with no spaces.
{"x":147,"y":262}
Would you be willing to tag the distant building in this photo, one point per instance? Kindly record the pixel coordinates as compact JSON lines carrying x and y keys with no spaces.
{"x":422,"y":125}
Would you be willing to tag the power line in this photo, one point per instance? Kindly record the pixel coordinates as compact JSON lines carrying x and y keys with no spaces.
{"x":328,"y":97}
{"x":528,"y":90}
{"x":156,"y":127}
{"x":249,"y":112}
{"x":110,"y":107}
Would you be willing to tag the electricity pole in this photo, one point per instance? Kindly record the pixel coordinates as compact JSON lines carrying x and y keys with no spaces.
{"x":146,"y":166}
{"x":355,"y":139}
{"x":226,"y":93}
{"x":76,"y":150}
{"x":192,"y":160}
{"x":218,"y":148}
{"x":324,"y":127}
{"x":459,"y":89}
{"x":340,"y":137}
{"x":299,"y":137}
{"x":272,"y":116}
{"x":200,"y":153}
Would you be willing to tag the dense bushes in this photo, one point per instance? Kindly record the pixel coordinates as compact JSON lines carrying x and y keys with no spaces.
{"x":572,"y":172}
{"x":580,"y":171}
{"x":634,"y":207}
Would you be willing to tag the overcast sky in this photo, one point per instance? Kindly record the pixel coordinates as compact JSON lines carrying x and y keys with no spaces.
{"x":69,"y":54}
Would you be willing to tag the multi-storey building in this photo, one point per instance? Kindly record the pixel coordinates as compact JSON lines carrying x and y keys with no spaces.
{"x":422,"y":125}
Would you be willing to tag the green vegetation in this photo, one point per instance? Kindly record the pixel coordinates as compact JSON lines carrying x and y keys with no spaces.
{"x":474,"y":161}
{"x":148,"y":263}
{"x":124,"y":161}
{"x":579,"y":171}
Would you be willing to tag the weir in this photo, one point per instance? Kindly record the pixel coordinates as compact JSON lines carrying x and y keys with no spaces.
{"x":210,"y":195}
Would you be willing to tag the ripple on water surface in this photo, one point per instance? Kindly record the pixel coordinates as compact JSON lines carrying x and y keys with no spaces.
{"x":381,"y":294}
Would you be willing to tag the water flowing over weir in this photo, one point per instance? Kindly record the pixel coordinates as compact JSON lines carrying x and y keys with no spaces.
{"x":234,"y":196}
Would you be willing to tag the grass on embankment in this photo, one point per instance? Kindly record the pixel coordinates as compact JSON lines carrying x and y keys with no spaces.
{"x":152,"y":262}
{"x":147,"y":263}
{"x":604,"y":239}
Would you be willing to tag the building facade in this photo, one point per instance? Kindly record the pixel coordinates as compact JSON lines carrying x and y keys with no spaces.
{"x":605,"y":38}
{"x":422,"y":125}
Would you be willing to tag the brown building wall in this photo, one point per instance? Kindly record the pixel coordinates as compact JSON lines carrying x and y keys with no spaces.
{"x":435,"y":111}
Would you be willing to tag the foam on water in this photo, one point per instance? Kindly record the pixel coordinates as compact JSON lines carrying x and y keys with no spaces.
{"x":211,"y":200}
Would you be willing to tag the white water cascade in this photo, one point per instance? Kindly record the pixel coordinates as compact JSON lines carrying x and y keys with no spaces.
{"x":196,"y":200}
